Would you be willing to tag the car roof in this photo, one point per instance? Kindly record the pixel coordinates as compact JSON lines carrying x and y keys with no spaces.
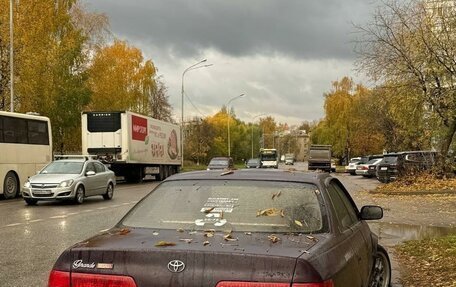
{"x":256,"y":174}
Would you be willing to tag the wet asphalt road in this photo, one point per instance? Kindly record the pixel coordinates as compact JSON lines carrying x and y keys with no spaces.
{"x":32,"y":237}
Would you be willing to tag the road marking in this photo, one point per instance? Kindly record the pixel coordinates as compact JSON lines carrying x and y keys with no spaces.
{"x":70,"y":214}
{"x":35,"y":220}
{"x":58,"y":216}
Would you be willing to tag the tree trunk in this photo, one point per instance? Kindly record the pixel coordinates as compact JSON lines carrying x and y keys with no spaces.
{"x":444,"y":164}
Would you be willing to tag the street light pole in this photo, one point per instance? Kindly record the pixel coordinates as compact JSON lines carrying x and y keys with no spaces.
{"x":11,"y":58}
{"x":229,"y":119}
{"x":192,"y":67}
{"x":253,"y":121}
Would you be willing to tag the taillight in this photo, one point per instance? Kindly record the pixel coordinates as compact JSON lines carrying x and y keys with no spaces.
{"x":59,"y":279}
{"x":250,"y":284}
{"x":62,"y":279}
{"x":328,"y":283}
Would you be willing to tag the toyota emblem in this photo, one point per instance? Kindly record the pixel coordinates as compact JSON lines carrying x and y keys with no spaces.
{"x":176,"y":266}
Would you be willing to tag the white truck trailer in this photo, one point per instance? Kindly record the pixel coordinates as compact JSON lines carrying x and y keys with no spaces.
{"x":132,"y":145}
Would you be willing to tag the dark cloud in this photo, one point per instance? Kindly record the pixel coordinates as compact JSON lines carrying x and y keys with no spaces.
{"x":302,"y":29}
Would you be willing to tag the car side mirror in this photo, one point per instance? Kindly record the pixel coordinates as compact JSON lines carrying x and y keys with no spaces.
{"x":90,"y":173}
{"x":371,"y":212}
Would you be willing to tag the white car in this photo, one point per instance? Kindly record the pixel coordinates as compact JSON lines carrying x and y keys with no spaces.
{"x":351,"y":167}
{"x":363,"y":169}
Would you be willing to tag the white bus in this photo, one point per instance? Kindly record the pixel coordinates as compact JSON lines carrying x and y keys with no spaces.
{"x":25,"y":148}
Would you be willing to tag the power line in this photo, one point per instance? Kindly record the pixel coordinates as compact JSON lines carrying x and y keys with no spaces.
{"x":188,"y":98}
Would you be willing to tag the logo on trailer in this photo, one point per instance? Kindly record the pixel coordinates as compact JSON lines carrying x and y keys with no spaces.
{"x":176,"y":266}
{"x":138,"y":128}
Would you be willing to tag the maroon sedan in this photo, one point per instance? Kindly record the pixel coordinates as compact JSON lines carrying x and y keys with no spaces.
{"x":245,"y":228}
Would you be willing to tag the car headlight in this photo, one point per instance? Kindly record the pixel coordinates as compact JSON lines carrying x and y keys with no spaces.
{"x":66,"y":183}
{"x":27,"y":184}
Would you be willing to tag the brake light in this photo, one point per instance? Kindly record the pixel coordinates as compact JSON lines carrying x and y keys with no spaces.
{"x":250,"y":284}
{"x":59,"y":279}
{"x":328,"y":283}
{"x":62,"y":279}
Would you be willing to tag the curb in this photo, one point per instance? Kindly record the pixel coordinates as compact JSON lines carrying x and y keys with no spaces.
{"x":424,"y":192}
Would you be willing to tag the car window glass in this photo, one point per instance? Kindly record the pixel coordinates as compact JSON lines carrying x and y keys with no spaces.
{"x":90,"y":167}
{"x":240,"y":205}
{"x":99,"y":167}
{"x":347,"y":216}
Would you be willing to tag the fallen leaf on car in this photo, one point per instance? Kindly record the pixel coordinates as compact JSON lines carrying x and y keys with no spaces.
{"x":311,"y":238}
{"x":164,"y":244}
{"x":229,"y":237}
{"x":180,"y":230}
{"x":276,"y":194}
{"x":208,"y":210}
{"x":124,"y":231}
{"x":206,"y":243}
{"x":297,"y":222}
{"x":269,"y":212}
{"x":273,"y":238}
{"x":248,"y":233}
{"x":188,"y":240}
{"x":282,"y":213}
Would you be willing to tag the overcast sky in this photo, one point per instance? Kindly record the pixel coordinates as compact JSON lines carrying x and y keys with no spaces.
{"x":283,"y":54}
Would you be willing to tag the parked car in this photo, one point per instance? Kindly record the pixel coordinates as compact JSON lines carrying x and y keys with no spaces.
{"x":220,"y":163}
{"x":73,"y":178}
{"x":333,"y":165}
{"x":248,"y":228}
{"x":362,"y":160}
{"x":289,"y":159}
{"x":351,"y":167}
{"x":398,"y":164}
{"x":363,"y":169}
{"x":253,"y":163}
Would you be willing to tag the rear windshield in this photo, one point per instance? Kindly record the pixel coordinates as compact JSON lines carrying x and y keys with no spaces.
{"x":237,"y":205}
{"x":218,"y":162}
{"x":389,"y":159}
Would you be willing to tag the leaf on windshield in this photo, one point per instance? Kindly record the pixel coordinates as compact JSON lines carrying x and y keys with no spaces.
{"x":209,"y":209}
{"x":180,"y":230}
{"x":276,"y":194}
{"x":273,"y":238}
{"x":229,"y":237}
{"x":164,"y":244}
{"x":188,"y":240}
{"x":282,"y":213}
{"x":124,"y":231}
{"x":269,"y":212}
{"x":206,"y":243}
{"x":209,"y":233}
{"x":297,"y":222}
{"x":248,"y":233}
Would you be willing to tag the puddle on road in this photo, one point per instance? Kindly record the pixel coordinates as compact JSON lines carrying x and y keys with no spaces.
{"x":391,"y":234}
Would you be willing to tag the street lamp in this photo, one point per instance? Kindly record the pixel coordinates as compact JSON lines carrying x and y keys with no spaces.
{"x":253,"y":121}
{"x":229,"y":119}
{"x":192,"y":67}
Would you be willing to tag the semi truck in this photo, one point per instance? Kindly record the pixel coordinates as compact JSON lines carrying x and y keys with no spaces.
{"x":132,"y":145}
{"x":319,"y":157}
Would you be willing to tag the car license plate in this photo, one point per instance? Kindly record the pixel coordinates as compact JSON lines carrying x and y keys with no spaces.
{"x":383,"y":168}
{"x":43,"y":192}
